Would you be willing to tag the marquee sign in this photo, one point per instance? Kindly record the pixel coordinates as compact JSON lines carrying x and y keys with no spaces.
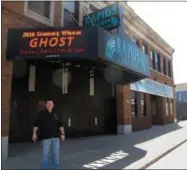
{"x":41,"y":43}
{"x":107,"y":17}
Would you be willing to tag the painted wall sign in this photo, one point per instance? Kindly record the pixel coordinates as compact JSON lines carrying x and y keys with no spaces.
{"x":45,"y":43}
{"x":152,"y":87}
{"x":107,"y":17}
{"x":122,"y":51}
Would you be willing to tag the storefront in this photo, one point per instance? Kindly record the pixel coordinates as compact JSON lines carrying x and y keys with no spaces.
{"x":151,"y":101}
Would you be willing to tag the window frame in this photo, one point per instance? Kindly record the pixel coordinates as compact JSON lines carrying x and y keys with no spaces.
{"x":40,"y":18}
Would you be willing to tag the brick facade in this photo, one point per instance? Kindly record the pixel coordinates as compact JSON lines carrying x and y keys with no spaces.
{"x":13,"y":17}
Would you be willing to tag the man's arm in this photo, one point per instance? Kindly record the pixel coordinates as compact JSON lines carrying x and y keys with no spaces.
{"x":35,"y":128}
{"x":61,"y":128}
{"x":62,"y":131}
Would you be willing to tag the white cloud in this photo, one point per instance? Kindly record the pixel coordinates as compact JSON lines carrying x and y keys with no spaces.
{"x":168,"y":19}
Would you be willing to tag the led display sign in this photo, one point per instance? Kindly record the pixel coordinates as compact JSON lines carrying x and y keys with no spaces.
{"x":46,"y":43}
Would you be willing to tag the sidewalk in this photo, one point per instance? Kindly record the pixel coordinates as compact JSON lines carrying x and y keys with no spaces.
{"x":107,"y":152}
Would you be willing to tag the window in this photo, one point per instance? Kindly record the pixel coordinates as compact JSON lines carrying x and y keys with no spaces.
{"x":156,"y":61}
{"x":169,"y":68}
{"x":71,"y":13}
{"x":137,"y":43}
{"x":167,"y":106}
{"x":133,"y":103}
{"x":154,"y":65}
{"x":171,"y":107}
{"x":145,"y":49}
{"x":142,"y":104}
{"x":152,"y":60}
{"x":134,"y":40}
{"x":40,"y":7}
{"x":32,"y":78}
{"x":42,"y":11}
{"x":164,"y":66}
{"x":91,"y":82}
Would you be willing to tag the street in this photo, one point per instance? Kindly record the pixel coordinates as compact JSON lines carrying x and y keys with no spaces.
{"x":106,"y":152}
{"x":174,"y":160}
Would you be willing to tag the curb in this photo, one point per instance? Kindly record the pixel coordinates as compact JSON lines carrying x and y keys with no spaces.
{"x":162,"y":155}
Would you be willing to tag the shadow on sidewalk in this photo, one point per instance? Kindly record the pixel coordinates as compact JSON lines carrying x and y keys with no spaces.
{"x":83,"y":151}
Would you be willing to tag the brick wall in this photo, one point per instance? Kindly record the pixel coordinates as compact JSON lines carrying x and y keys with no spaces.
{"x":13,"y":17}
{"x":123,"y":105}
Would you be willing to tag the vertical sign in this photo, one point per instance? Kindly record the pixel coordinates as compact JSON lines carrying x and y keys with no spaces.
{"x":107,"y":17}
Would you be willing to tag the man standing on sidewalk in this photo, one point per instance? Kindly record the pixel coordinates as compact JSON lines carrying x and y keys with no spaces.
{"x":50,"y":130}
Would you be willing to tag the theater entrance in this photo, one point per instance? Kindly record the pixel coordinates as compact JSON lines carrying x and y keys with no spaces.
{"x":83,"y":98}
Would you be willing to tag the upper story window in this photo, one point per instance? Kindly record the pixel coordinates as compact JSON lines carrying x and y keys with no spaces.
{"x":151,"y":56}
{"x":41,"y":11}
{"x":134,"y":40}
{"x":71,"y":13}
{"x":164,"y":66}
{"x":156,"y":61}
{"x":40,"y":7}
{"x":153,"y":60}
{"x":169,"y":68}
{"x":145,"y":49}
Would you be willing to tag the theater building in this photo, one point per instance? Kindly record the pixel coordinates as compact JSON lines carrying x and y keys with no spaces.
{"x":107,"y":71}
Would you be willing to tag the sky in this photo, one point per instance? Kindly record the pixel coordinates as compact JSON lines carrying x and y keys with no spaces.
{"x":169,"y":20}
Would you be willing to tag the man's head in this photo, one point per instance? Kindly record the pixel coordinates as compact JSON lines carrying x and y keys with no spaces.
{"x":49,"y":105}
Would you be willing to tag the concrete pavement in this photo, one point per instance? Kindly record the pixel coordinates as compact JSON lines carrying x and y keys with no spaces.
{"x":174,"y":160}
{"x":132,"y":151}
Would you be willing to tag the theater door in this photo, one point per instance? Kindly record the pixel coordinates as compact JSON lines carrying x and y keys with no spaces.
{"x":82,"y":114}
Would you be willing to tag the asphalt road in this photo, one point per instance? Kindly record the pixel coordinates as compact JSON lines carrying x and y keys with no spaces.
{"x":174,"y":160}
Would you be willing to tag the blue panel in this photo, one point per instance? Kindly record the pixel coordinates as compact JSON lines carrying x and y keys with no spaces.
{"x":181,"y":95}
{"x":121,"y":50}
{"x":152,"y":87}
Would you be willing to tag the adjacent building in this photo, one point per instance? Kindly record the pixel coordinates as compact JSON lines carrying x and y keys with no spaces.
{"x":100,"y":87}
{"x":181,"y":100}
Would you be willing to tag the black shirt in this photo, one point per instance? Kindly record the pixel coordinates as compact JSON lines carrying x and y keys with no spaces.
{"x":48,"y":124}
